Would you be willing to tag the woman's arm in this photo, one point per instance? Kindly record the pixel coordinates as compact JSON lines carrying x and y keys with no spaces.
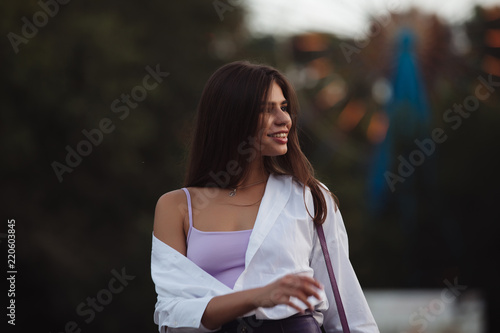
{"x":222,"y":309}
{"x":358,"y":313}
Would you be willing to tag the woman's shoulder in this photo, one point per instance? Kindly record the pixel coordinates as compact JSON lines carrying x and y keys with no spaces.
{"x":299,"y":189}
{"x":171,"y":206}
{"x":169,"y":221}
{"x":172,"y":198}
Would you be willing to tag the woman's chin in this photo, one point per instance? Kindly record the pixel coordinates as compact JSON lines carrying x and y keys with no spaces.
{"x":275,"y":153}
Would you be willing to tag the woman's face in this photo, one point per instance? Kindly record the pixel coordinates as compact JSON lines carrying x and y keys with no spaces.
{"x":275,"y":123}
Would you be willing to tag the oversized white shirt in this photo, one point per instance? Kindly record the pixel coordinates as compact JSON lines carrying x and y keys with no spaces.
{"x":283,"y":241}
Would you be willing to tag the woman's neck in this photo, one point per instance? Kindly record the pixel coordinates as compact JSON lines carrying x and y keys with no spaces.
{"x":256,"y":173}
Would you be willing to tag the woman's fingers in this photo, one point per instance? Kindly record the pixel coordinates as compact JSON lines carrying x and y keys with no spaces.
{"x":306,"y":285}
{"x":313,"y":291}
{"x":293,"y":285}
{"x":302,"y":295}
{"x":300,"y":287}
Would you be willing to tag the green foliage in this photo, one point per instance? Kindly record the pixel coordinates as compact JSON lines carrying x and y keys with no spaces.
{"x":62,"y":81}
{"x":66,"y":79}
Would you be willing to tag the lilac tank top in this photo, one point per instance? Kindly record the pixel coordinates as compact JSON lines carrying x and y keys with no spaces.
{"x":219,"y":253}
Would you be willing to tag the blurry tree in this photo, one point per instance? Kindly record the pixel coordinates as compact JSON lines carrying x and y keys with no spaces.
{"x":344,"y":85}
{"x":82,"y":77}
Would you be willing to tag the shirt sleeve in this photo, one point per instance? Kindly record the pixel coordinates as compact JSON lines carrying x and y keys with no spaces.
{"x":359,"y":316}
{"x":183,"y":289}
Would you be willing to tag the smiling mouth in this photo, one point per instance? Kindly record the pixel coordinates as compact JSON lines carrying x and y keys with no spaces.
{"x":278,"y":135}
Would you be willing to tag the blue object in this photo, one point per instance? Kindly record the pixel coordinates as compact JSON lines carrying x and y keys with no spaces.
{"x":409,"y":119}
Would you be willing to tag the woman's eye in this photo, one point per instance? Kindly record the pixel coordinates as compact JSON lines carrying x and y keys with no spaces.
{"x":284,"y":108}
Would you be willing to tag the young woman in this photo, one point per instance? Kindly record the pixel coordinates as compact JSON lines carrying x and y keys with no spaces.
{"x":236,"y":250}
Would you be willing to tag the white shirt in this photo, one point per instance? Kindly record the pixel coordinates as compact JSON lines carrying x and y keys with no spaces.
{"x":283,"y":241}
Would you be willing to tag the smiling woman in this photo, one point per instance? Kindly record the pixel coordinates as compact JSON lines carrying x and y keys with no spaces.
{"x":236,"y":250}
{"x":275,"y":122}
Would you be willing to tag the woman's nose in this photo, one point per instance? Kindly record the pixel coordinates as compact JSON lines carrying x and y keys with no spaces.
{"x":283,"y":118}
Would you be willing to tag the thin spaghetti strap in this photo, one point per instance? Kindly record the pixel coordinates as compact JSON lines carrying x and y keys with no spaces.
{"x":190,"y":211}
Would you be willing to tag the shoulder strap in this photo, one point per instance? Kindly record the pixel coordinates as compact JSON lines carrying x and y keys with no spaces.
{"x":336,"y":293}
{"x":190,"y":211}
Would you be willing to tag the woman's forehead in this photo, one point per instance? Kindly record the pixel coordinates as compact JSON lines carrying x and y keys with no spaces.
{"x":276,"y":94}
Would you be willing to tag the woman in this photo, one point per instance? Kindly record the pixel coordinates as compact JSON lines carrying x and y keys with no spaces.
{"x":236,"y":249}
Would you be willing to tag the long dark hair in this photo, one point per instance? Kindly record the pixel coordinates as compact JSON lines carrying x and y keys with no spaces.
{"x":226,"y":127}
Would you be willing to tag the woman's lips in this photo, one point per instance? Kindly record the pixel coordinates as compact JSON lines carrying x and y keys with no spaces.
{"x":281,"y":137}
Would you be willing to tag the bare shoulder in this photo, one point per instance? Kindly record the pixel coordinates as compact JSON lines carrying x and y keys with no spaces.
{"x":172,"y":199}
{"x":170,"y":213}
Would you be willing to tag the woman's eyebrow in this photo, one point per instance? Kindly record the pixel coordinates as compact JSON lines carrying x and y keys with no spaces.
{"x":271,"y":103}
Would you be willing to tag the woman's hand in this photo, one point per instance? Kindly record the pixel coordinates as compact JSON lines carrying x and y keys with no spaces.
{"x":280,"y":291}
{"x":224,"y":308}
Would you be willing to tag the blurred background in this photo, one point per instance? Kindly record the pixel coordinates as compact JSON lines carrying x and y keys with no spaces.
{"x":399,"y":107}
